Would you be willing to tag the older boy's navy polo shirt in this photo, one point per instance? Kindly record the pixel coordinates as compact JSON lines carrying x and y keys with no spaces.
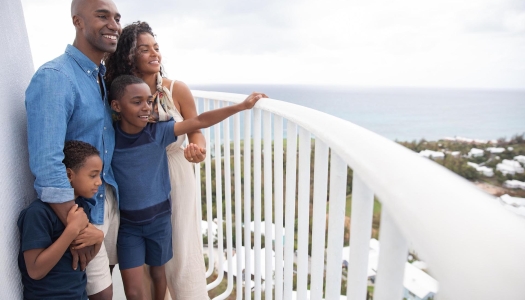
{"x":140,"y":165}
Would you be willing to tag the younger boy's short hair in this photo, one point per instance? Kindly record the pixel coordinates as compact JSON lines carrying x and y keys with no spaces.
{"x":76,"y":153}
{"x":119,"y":85}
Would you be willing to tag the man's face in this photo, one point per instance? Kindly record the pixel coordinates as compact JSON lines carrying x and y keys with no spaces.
{"x":101,"y":27}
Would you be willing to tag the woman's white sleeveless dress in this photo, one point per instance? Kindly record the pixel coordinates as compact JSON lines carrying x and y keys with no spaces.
{"x":185,"y":272}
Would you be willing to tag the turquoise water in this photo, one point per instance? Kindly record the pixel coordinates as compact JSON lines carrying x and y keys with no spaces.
{"x":406,"y":114}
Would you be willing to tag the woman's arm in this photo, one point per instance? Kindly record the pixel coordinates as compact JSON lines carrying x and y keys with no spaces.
{"x":196,"y":149}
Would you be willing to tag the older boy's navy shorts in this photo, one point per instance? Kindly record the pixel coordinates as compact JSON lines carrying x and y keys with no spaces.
{"x":149,"y":243}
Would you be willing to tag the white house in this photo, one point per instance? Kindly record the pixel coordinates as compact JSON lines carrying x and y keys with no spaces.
{"x":432,"y":154}
{"x":514,"y":184}
{"x":486,"y":171}
{"x":505,"y":169}
{"x":520,"y":158}
{"x":513,"y":163}
{"x":475,"y":152}
{"x":495,"y":150}
{"x":418,"y":284}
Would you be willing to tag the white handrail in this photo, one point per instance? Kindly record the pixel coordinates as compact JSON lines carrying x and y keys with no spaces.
{"x":473,"y":247}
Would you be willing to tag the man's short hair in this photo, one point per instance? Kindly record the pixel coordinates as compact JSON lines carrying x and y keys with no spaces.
{"x":76,"y":153}
{"x":119,"y":85}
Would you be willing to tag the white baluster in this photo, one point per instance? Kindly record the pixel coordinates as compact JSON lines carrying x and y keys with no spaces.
{"x":218,"y":201}
{"x":303,"y":212}
{"x":238,"y":200}
{"x":361,"y":230}
{"x":269,"y":234}
{"x":228,"y":208}
{"x":336,"y":223}
{"x":392,"y":258}
{"x":209,"y":218}
{"x":247,"y":206}
{"x":257,"y":201}
{"x":278,"y":200}
{"x":291,"y":175}
{"x":319,"y":220}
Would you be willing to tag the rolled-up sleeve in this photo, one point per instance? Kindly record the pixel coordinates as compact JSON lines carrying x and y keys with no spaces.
{"x":49,"y":105}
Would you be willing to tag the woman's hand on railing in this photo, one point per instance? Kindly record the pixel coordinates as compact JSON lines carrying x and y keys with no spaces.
{"x":194,"y":154}
{"x":249,"y":102}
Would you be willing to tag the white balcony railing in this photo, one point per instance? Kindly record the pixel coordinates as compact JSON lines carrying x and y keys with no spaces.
{"x":473,"y":247}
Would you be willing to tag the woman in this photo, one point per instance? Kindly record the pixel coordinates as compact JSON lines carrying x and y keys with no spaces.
{"x":138,"y":54}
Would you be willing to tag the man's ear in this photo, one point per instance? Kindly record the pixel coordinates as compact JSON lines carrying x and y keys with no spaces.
{"x":78,"y":22}
{"x":115,"y":105}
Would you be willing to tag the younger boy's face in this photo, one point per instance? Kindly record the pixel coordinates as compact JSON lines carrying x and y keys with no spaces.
{"x":86,"y":179}
{"x":134,"y":107}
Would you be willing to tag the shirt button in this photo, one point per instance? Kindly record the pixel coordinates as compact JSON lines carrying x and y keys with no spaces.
{"x":88,"y":71}
{"x":100,"y":195}
{"x":103,"y":174}
{"x":104,"y":128}
{"x":106,"y":151}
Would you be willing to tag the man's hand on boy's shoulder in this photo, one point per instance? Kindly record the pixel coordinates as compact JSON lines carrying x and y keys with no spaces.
{"x":249,"y":102}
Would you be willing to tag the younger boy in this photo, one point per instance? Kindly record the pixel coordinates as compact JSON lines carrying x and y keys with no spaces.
{"x":44,"y":258}
{"x":140,"y":166}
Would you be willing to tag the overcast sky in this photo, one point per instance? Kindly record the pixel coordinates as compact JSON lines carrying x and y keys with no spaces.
{"x":447,"y":43}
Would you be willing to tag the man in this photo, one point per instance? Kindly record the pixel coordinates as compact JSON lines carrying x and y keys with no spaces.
{"x":66,"y":100}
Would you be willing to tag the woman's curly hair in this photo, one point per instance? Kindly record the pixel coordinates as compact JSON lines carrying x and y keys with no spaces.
{"x":122,"y":62}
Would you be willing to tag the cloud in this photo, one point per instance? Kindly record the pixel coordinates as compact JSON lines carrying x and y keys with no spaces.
{"x":471,"y":43}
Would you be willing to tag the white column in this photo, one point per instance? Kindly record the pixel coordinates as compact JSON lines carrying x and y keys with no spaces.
{"x":17,"y":181}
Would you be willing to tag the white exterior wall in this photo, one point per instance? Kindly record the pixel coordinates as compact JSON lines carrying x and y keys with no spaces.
{"x":16,"y":183}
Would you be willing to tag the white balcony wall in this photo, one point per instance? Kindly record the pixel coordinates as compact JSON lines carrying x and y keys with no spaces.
{"x":16,"y":185}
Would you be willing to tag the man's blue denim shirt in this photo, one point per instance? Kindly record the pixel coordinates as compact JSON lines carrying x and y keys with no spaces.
{"x":64,"y":102}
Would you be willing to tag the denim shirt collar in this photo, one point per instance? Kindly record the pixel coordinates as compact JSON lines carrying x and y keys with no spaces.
{"x":89,"y":67}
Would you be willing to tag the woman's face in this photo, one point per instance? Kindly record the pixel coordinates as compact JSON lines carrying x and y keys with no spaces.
{"x":147,"y":57}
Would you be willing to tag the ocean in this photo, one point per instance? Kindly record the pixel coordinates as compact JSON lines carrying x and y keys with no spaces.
{"x":407,"y":114}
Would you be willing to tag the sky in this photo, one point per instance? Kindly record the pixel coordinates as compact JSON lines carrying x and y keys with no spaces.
{"x":405,"y":43}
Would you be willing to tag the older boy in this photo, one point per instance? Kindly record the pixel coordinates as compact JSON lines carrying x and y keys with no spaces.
{"x":141,"y":171}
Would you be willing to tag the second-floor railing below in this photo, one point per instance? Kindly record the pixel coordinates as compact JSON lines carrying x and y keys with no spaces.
{"x":473,"y":247}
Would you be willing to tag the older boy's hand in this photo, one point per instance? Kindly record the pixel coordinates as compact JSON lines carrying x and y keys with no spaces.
{"x":84,"y":255}
{"x":249,"y":102}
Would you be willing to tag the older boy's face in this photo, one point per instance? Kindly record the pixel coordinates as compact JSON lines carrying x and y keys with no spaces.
{"x":134,"y":107}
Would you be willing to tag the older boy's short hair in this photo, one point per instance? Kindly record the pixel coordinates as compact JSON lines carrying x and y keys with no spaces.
{"x":76,"y":153}
{"x":118,"y":86}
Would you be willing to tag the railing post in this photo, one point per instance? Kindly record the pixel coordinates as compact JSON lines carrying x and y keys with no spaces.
{"x":228,"y":209}
{"x":319,"y":220}
{"x":291,"y":175}
{"x":238,"y":201}
{"x":278,"y":185}
{"x":303,"y":212}
{"x":218,"y":201}
{"x":209,"y":216}
{"x":361,"y":230}
{"x":392,"y":258}
{"x":257,"y":184}
{"x":268,"y":233}
{"x":336,"y":223}
{"x":247,"y":206}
